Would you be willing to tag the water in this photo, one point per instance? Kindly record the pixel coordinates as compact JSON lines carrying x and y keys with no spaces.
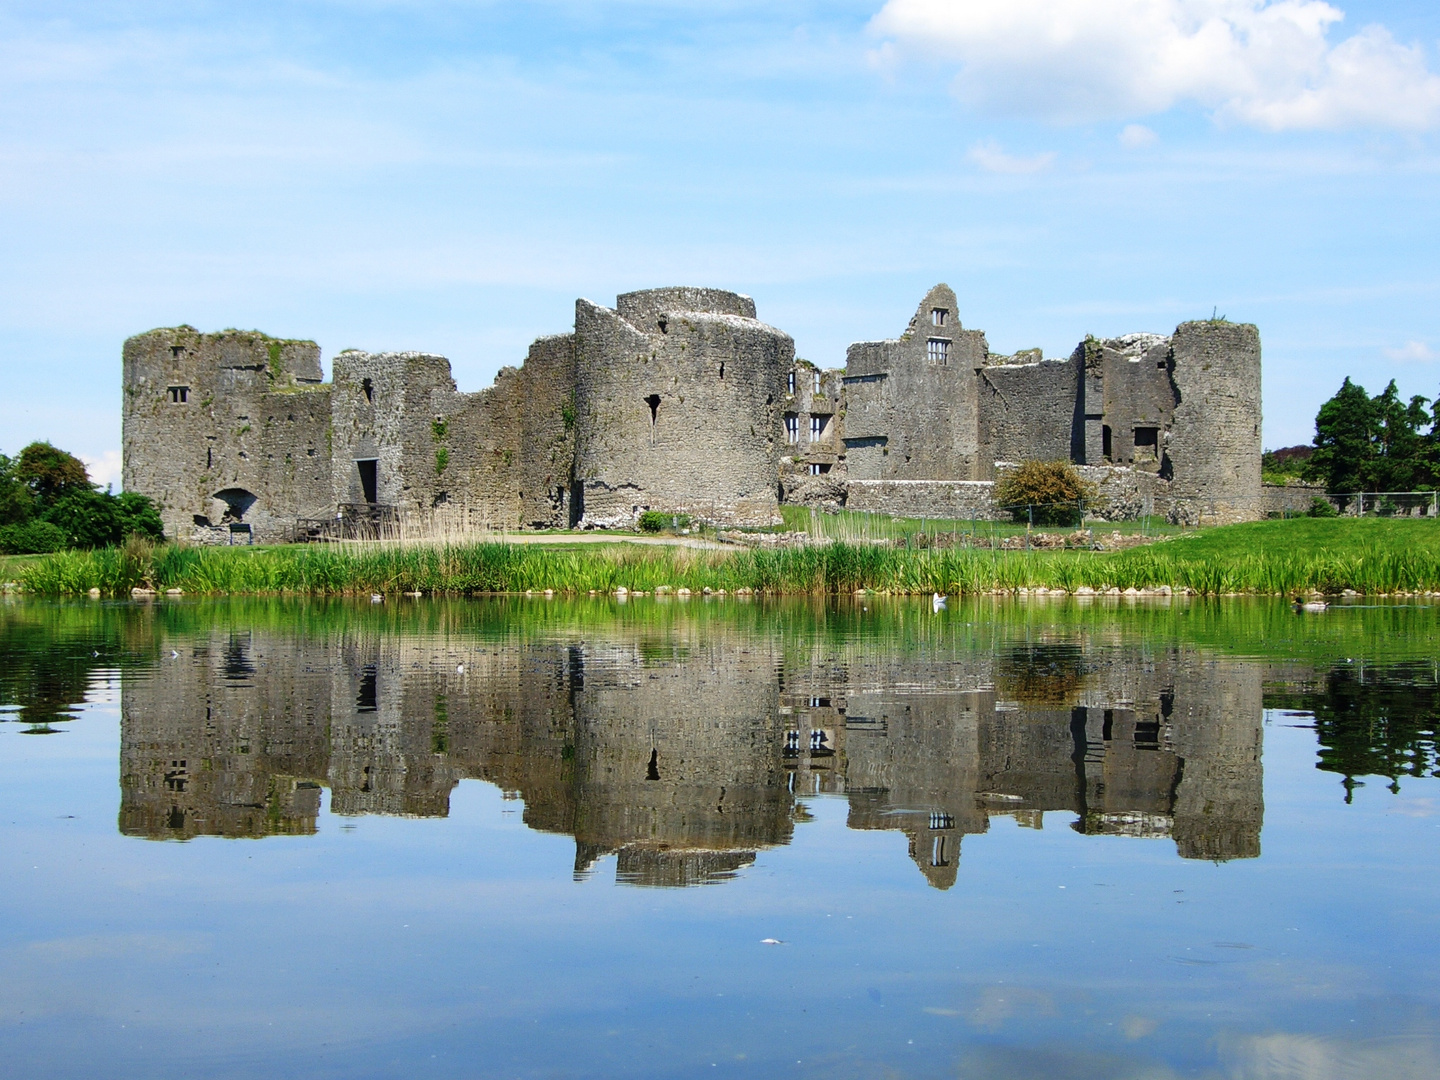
{"x":539,"y":838}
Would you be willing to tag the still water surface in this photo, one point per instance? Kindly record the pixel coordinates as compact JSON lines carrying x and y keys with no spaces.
{"x":519,"y":839}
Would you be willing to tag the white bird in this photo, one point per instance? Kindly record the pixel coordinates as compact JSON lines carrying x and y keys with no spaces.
{"x":937,"y":602}
{"x":1313,"y":606}
{"x":376,"y":598}
{"x":460,"y":670}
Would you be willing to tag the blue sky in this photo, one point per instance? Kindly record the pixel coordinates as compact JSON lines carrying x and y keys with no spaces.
{"x":449,"y":176}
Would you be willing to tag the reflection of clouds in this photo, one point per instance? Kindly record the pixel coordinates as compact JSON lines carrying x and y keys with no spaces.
{"x":98,"y":946}
{"x":1050,"y":1062}
{"x":1284,"y":1056}
{"x":1421,"y":808}
{"x":1000,"y":1003}
{"x":1137,"y":1027}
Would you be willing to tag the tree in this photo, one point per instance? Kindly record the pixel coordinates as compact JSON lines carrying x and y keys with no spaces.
{"x":1051,"y":491}
{"x":1374,"y":444}
{"x":50,"y":472}
{"x":1344,"y":440}
{"x":17,"y":505}
{"x":1401,"y":458}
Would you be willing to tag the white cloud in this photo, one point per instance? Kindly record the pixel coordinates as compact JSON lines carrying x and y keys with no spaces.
{"x":1267,"y":63}
{"x":1137,"y":137}
{"x":990,"y":157}
{"x":1412,"y":352}
{"x":105,"y":469}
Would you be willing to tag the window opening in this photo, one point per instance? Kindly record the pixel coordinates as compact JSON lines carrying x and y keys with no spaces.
{"x":368,"y":698}
{"x":937,"y":316}
{"x":369,"y":478}
{"x":177,"y":351}
{"x":937,"y":852}
{"x":179,"y":395}
{"x":654,"y":402}
{"x":792,"y":429}
{"x":938,"y":351}
{"x":792,"y":744}
{"x":1147,"y":437}
{"x":652,"y":772}
{"x":369,"y":388}
{"x":819,"y":468}
{"x":790,"y":383}
{"x":816,"y":388}
{"x":940,"y":821}
{"x":722,"y":369}
{"x":1105,"y":441}
{"x":818,"y":424}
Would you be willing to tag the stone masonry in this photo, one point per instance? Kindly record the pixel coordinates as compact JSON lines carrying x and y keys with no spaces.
{"x":680,"y":400}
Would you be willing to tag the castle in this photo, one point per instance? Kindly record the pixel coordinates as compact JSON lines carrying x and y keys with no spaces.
{"x":680,"y":400}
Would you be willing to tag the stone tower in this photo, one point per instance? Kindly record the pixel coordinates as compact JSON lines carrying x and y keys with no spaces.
{"x":226,"y":432}
{"x":677,"y":401}
{"x":1215,"y":438}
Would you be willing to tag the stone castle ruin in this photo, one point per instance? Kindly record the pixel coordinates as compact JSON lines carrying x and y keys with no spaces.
{"x":679,"y":400}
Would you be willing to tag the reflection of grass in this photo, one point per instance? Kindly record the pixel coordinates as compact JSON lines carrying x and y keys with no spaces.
{"x":1269,"y":557}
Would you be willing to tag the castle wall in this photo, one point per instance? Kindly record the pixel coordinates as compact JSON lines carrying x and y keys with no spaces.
{"x":1215,"y":440}
{"x":1027,"y":411}
{"x":383,"y":413}
{"x":235,"y":412}
{"x":679,"y":415}
{"x":911,"y":408}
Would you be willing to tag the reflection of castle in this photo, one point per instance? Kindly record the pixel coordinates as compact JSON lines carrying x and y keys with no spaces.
{"x":685,"y":754}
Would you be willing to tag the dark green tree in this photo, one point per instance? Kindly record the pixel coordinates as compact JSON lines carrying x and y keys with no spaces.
{"x":50,"y":472}
{"x":1402,"y":459}
{"x":17,"y":504}
{"x":1345,"y":436}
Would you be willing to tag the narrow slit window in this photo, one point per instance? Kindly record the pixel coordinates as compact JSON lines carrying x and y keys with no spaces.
{"x":369,"y":388}
{"x":790,"y":384}
{"x":939,"y":351}
{"x":938,"y":316}
{"x":815,"y":389}
{"x":1106,"y":442}
{"x":792,"y":428}
{"x":654,"y":402}
{"x":179,"y":395}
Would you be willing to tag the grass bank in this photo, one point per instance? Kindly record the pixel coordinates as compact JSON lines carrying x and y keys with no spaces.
{"x":1367,"y":555}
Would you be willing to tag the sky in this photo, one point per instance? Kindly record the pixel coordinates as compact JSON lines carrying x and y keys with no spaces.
{"x":450,"y":176}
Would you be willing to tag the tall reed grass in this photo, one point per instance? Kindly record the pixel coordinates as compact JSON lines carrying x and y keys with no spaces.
{"x":1379,"y":566}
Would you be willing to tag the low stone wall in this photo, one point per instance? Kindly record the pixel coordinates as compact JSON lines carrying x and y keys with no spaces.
{"x":1289,"y":498}
{"x":923,"y":498}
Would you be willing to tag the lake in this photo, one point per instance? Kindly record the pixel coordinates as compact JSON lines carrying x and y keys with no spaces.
{"x":718,"y":837}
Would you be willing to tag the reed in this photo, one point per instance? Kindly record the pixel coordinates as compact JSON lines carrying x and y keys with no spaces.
{"x":1263,"y":558}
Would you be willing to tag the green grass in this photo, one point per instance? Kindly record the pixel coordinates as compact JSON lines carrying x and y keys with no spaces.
{"x":1270,"y":557}
{"x":11,"y":565}
{"x":858,"y":526}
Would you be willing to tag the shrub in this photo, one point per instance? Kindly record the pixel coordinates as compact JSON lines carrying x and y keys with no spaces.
{"x":1322,"y":508}
{"x":31,"y":538}
{"x":1051,"y":490}
{"x":654,"y":521}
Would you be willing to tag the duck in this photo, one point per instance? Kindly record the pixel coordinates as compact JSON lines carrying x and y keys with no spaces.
{"x":376,"y":598}
{"x":937,"y":602}
{"x":1313,"y":606}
